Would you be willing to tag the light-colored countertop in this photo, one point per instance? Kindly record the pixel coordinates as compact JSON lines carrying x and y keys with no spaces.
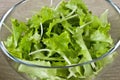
{"x":7,"y":73}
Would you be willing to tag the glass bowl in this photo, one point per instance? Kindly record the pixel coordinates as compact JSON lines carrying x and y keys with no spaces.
{"x":23,"y":10}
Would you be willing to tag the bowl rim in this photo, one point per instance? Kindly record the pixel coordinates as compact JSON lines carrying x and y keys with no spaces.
{"x":5,"y":51}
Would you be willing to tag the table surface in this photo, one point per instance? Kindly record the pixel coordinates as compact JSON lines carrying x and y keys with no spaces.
{"x":7,"y":73}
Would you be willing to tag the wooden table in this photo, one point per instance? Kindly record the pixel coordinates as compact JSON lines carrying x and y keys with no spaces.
{"x":7,"y":73}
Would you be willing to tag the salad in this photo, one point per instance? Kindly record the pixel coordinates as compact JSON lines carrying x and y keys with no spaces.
{"x":59,"y":36}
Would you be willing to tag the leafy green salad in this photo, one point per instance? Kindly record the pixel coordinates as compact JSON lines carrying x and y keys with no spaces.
{"x":59,"y":36}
